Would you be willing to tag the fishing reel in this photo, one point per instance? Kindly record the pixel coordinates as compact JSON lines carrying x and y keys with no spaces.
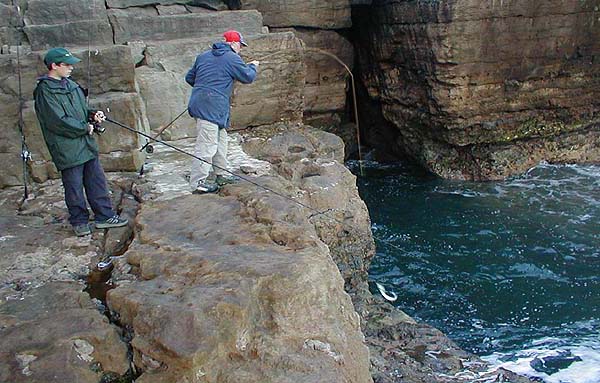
{"x":98,"y":129}
{"x":97,"y":126}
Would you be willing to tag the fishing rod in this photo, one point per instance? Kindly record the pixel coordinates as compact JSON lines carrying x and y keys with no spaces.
{"x":25,"y":153}
{"x":148,"y":146}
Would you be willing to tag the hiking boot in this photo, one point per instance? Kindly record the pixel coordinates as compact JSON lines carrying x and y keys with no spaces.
{"x":205,"y":187}
{"x":82,"y":230}
{"x":114,"y":221}
{"x":225,"y":180}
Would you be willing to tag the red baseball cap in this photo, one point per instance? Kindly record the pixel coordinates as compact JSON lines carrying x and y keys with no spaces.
{"x":232,"y":36}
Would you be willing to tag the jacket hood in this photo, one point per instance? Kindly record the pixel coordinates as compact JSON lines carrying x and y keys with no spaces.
{"x":219,"y":49}
{"x":65,"y":83}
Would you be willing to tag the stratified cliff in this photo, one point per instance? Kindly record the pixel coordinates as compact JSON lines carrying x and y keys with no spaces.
{"x":484,"y":89}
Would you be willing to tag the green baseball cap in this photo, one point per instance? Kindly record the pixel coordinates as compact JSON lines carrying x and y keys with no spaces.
{"x":60,"y":55}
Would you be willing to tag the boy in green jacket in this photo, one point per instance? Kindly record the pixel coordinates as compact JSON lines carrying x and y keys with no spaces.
{"x":67,"y":126}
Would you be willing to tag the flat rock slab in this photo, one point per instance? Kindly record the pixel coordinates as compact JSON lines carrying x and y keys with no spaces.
{"x":56,"y":334}
{"x":51,"y":330}
{"x":242,"y":278}
{"x":170,"y":27}
{"x":300,"y":13}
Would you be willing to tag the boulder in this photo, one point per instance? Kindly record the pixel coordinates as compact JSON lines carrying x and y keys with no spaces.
{"x":130,"y":27}
{"x":272,"y":300}
{"x":165,"y":95}
{"x":334,"y":14}
{"x":462,"y":82}
{"x":119,"y":147}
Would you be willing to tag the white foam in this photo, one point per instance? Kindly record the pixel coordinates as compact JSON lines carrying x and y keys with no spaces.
{"x":585,"y":371}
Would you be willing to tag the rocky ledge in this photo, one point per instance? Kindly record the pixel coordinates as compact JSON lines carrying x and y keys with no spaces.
{"x":254,"y":284}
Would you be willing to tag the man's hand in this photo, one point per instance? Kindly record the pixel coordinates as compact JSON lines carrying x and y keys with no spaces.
{"x":99,"y":117}
{"x":91,"y":128}
{"x":254,"y":62}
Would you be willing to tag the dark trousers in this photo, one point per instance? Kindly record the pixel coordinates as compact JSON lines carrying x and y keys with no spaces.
{"x":90,"y":176}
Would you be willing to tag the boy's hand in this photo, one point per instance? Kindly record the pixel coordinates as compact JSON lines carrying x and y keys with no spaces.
{"x":99,"y":116}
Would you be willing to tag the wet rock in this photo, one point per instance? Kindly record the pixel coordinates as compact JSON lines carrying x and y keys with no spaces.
{"x":117,"y":240}
{"x":555,"y":363}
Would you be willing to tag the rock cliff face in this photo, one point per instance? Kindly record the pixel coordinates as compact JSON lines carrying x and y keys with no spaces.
{"x":484,"y":90}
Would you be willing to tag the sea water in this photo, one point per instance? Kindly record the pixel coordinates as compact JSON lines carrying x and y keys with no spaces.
{"x":510,"y":270}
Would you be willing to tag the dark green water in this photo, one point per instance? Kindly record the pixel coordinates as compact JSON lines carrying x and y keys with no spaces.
{"x":508,"y":270}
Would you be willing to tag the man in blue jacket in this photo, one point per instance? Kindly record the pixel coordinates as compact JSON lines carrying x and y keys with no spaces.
{"x":212,"y":77}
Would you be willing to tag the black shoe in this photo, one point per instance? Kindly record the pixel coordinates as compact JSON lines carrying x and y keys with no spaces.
{"x":205,"y":187}
{"x":82,"y":230}
{"x":114,"y":221}
{"x":225,"y":180}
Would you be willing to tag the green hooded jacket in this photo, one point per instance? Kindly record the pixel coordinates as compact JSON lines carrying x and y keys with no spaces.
{"x":63,"y":115}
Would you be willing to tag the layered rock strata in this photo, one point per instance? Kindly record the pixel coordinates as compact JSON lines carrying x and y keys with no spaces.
{"x":482,"y":91}
{"x":161,"y":40}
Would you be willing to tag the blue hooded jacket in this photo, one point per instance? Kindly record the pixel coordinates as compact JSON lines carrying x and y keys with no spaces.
{"x":212,"y":77}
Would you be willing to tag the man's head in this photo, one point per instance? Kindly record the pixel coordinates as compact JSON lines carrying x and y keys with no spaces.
{"x":59,"y":61}
{"x":235,"y":39}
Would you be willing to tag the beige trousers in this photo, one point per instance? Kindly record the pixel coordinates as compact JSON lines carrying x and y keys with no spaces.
{"x":211,"y":146}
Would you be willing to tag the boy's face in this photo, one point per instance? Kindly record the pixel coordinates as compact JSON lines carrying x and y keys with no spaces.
{"x":62,"y":69}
